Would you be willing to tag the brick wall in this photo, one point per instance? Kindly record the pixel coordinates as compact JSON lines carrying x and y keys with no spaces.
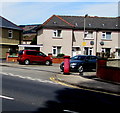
{"x":107,"y":72}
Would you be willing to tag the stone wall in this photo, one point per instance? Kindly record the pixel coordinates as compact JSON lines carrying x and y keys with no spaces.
{"x":114,"y":63}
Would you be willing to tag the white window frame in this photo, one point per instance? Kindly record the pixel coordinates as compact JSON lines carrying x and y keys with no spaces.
{"x":10,"y":32}
{"x":89,"y":49}
{"x":104,"y":35}
{"x":56,"y":33}
{"x":118,"y":52}
{"x":89,"y":35}
{"x":103,"y":50}
{"x":56,"y":49}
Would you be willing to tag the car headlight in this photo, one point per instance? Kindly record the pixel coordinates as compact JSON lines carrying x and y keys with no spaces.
{"x":73,"y":64}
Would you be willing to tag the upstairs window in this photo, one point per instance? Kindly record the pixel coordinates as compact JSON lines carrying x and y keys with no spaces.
{"x":106,"y":35}
{"x":57,"y":33}
{"x":10,"y":34}
{"x":89,"y":35}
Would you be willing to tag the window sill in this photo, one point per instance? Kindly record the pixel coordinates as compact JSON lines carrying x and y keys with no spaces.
{"x":88,"y":38}
{"x":57,"y":37}
{"x":106,"y":39}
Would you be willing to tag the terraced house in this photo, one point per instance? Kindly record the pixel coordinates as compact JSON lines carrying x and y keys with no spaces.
{"x":74,"y":35}
{"x":10,"y":37}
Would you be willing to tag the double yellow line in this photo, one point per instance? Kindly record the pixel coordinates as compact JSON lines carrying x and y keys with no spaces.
{"x":87,"y":89}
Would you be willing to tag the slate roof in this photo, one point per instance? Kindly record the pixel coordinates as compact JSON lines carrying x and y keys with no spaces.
{"x":77,"y":22}
{"x":4,"y":23}
{"x":29,"y":29}
{"x":29,"y":38}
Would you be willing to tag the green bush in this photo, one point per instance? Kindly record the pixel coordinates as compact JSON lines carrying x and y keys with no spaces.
{"x":61,"y":55}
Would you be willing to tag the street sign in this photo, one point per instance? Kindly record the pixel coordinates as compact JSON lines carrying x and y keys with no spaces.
{"x":83,"y":43}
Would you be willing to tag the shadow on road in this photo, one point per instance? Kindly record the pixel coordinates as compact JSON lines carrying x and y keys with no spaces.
{"x":80,"y":101}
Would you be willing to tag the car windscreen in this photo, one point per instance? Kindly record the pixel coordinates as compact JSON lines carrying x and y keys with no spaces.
{"x":78,"y":58}
{"x":41,"y":54}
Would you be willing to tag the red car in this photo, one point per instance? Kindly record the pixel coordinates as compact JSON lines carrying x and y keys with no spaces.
{"x":32,"y":56}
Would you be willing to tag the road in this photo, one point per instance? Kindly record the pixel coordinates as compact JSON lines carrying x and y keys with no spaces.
{"x":30,"y":90}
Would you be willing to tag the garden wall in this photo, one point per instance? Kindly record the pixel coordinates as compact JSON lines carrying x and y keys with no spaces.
{"x":110,"y":73}
{"x":11,"y":58}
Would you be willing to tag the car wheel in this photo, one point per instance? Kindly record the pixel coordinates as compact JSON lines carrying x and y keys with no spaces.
{"x":47,"y":63}
{"x":26,"y":62}
{"x":80,"y":69}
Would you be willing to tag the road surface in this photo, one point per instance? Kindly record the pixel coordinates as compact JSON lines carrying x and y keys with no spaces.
{"x":31,"y":91}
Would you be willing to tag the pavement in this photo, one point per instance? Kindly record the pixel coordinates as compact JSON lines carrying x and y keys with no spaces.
{"x":88,"y":80}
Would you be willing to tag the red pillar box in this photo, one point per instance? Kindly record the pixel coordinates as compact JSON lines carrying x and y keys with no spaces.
{"x":67,"y":65}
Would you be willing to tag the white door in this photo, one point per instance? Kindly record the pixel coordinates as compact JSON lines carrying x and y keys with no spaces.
{"x":88,"y":51}
{"x":73,"y":52}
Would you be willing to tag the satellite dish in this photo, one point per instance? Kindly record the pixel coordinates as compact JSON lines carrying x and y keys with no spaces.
{"x":91,"y":42}
{"x":101,"y":43}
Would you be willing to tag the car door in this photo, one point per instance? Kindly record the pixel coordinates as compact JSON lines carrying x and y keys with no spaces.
{"x":87,"y":63}
{"x":91,"y":62}
{"x":33,"y":56}
{"x":40,"y":57}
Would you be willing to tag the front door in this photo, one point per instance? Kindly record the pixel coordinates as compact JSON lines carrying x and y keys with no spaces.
{"x":73,"y":52}
{"x":88,"y":51}
{"x":106,"y":51}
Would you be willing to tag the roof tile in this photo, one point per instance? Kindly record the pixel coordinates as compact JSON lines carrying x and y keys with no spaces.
{"x":77,"y":22}
{"x":7,"y":24}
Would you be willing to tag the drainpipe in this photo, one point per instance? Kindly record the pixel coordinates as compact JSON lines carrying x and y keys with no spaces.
{"x":72,"y":40}
{"x":96,"y":41}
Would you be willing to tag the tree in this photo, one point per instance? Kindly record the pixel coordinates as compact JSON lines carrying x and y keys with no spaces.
{"x":34,"y":41}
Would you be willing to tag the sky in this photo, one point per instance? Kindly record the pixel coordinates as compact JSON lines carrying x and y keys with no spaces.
{"x":26,"y":12}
